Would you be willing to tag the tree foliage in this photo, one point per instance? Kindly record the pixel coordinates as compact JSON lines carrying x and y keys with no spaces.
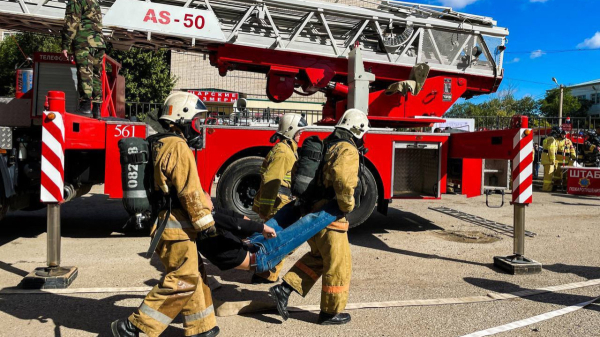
{"x":572,"y":106}
{"x":147,"y":72}
{"x":11,"y":56}
{"x":504,"y":104}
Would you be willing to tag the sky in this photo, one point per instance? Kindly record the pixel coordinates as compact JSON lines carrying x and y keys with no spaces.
{"x":539,"y":28}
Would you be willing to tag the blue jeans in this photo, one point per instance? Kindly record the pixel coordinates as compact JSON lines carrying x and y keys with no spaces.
{"x":290,"y":235}
{"x":536,"y":170}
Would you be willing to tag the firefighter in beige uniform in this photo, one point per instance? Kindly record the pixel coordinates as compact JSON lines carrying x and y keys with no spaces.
{"x":276,"y":179}
{"x":549,"y":158}
{"x":565,"y":156}
{"x":329,"y":254}
{"x":183,"y":289}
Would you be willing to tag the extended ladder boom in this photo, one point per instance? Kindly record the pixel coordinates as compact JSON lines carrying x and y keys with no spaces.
{"x":395,"y":36}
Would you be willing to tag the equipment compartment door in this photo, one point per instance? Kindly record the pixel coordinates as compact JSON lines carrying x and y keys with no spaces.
{"x":416,"y":170}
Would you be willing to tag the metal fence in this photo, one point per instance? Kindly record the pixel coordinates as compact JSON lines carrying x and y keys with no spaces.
{"x":139,"y":109}
{"x":226,"y":115}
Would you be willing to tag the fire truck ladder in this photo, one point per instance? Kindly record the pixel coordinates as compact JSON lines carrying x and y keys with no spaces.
{"x":396,"y":34}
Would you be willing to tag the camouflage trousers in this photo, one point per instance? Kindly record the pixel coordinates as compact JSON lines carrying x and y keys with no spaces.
{"x":89,"y":68}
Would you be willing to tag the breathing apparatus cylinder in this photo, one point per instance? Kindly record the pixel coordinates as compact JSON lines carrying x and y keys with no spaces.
{"x":136,"y":161}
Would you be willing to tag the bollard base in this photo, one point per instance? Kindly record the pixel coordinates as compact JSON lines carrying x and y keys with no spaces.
{"x":50,"y":278}
{"x":517,"y":265}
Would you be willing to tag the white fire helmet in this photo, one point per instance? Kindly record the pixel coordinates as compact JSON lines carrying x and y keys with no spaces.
{"x":354,"y":121}
{"x":181,"y":107}
{"x":290,"y":124}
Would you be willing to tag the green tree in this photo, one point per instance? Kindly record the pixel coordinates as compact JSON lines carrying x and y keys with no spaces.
{"x":572,"y":106}
{"x":11,"y":56}
{"x":504,"y":104}
{"x":147,"y":74}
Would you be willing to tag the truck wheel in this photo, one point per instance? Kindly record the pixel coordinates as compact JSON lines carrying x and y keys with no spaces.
{"x":239,"y":184}
{"x":367,"y":202}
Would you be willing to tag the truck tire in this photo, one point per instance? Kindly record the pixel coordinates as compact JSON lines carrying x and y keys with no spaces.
{"x":239,"y":184}
{"x":367,"y":202}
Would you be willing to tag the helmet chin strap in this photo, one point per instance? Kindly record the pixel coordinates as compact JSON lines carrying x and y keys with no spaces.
{"x":193,"y":138}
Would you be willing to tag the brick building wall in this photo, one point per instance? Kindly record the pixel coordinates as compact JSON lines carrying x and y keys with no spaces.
{"x":193,"y":71}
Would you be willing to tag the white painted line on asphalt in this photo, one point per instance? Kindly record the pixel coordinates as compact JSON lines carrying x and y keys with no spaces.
{"x":531,"y":320}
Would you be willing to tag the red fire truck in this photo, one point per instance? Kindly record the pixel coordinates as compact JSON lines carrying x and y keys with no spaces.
{"x":413,"y":63}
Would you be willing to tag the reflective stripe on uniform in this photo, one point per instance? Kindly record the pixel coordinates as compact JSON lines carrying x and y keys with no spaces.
{"x":155,"y":314}
{"x":178,"y":224}
{"x":199,"y":315}
{"x":266,"y":201}
{"x":306,"y":270}
{"x":135,"y":194}
{"x":203,"y":221}
{"x":335,"y":289}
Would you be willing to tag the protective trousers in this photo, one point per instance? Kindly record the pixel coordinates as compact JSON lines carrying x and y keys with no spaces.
{"x":560,"y":176}
{"x":548,"y":177}
{"x":182,"y":290}
{"x":329,"y":257}
{"x":89,"y":68}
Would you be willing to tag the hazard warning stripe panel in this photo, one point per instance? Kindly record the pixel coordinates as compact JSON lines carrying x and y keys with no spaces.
{"x":53,"y":157}
{"x":522,"y":167}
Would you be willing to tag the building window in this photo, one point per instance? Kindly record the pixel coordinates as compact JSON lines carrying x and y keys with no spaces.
{"x":582,"y":97}
{"x":7,"y":34}
{"x":595,"y":98}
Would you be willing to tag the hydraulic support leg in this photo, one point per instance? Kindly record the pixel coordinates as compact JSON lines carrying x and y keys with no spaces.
{"x":53,"y":276}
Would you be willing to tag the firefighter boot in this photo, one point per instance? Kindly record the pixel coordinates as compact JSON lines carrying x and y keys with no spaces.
{"x":280,"y":294}
{"x":333,"y":319}
{"x":124,"y":328}
{"x":85,"y":108}
{"x":96,"y":107}
{"x":210,"y":333}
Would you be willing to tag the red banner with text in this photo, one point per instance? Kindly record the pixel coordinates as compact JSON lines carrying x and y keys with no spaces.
{"x":215,"y":97}
{"x":583,"y":181}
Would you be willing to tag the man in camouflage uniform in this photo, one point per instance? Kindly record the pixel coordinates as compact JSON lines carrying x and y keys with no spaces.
{"x":329,"y":254}
{"x":183,"y":289}
{"x":276,"y":179}
{"x":82,"y":34}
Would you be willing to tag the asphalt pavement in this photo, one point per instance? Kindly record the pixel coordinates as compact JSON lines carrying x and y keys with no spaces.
{"x":414,"y":253}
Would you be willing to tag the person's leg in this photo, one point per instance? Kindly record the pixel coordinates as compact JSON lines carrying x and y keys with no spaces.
{"x":272,"y":251}
{"x":168,"y":298}
{"x":305,"y":273}
{"x":337,"y":270}
{"x":301,"y":278}
{"x":199,"y":312}
{"x":548,"y":176}
{"x":96,"y":59}
{"x":84,"y":73}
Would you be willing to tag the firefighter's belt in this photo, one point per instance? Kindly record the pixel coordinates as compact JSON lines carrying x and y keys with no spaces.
{"x":137,"y":158}
{"x":314,"y":155}
{"x":285,"y":191}
{"x":560,"y":153}
{"x":545,"y":151}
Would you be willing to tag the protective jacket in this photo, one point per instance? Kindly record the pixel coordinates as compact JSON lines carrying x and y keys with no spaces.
{"x":340,"y":173}
{"x":175,"y":174}
{"x":183,"y":289}
{"x":549,"y":147}
{"x":83,"y":25}
{"x":276,"y":179}
{"x":565,"y":151}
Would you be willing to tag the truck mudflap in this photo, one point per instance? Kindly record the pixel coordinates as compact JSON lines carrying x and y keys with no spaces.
{"x":8,"y":178}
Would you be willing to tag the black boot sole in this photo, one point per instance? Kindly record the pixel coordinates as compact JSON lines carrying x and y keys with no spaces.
{"x":282,"y":311}
{"x":113,"y":328}
{"x":335,"y":322}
